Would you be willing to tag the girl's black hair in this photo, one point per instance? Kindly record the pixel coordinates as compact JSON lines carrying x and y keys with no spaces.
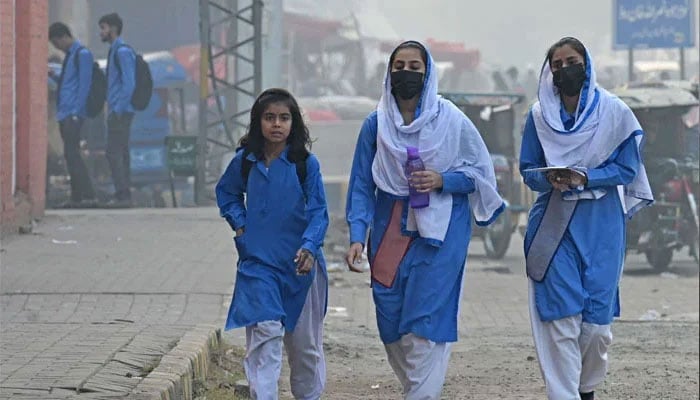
{"x":299,"y":140}
{"x":411,"y":44}
{"x":573,"y":43}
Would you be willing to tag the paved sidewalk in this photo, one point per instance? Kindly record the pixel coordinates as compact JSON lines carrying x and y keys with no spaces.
{"x":93,"y":299}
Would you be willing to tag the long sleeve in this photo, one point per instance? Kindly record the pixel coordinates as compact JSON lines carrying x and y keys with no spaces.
{"x":361,"y":197}
{"x":127,"y":64}
{"x":229,"y":194}
{"x":621,"y":167}
{"x":316,"y":207}
{"x":84,"y":79}
{"x":457,"y":183}
{"x":532,"y":156}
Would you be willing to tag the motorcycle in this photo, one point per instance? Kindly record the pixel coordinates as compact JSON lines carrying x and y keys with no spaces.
{"x":671,"y":223}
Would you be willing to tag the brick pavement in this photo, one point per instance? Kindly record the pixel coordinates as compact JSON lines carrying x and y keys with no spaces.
{"x":93,"y":299}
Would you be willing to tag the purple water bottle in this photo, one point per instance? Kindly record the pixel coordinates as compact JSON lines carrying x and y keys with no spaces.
{"x":413,"y":164}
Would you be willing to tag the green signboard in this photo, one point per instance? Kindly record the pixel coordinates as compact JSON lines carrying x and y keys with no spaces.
{"x":181,"y":152}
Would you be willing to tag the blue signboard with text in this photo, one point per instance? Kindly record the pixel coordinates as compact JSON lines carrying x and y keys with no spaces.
{"x":654,"y":24}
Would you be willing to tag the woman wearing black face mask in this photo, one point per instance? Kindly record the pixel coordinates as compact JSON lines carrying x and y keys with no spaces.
{"x":417,"y":255}
{"x":575,"y":240}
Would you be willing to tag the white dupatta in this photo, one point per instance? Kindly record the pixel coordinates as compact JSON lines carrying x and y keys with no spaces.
{"x":603,"y":123}
{"x":447,"y":142}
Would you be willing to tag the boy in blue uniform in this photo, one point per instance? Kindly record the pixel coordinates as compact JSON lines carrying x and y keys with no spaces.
{"x":71,"y":98}
{"x":281,"y":282}
{"x":121,"y":82}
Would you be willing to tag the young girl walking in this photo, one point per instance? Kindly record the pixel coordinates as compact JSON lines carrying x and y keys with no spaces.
{"x":281,"y":282}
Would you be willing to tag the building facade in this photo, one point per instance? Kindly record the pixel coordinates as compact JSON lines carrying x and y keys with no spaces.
{"x":23,"y":111}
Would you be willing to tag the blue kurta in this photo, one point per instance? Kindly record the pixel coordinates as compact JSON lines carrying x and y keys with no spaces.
{"x":585,"y":271}
{"x":279,"y":219}
{"x":424,"y":298}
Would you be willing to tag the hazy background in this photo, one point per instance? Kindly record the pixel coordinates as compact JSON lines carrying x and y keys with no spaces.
{"x":506,"y":32}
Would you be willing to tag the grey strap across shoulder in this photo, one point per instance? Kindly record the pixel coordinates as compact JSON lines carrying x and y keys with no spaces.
{"x":549,"y":234}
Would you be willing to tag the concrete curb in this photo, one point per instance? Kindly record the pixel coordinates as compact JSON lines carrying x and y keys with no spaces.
{"x":175,"y":375}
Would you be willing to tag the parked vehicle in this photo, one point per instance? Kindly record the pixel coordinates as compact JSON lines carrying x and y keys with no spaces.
{"x":496,"y":116}
{"x":671,"y":224}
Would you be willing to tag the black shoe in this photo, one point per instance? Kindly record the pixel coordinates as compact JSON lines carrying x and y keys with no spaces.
{"x":587,"y":396}
{"x":118,"y":204}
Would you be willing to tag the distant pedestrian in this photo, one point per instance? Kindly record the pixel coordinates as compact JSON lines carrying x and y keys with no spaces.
{"x":514,"y":84}
{"x":272,"y":196}
{"x":121,"y":82}
{"x":71,"y":103}
{"x":575,"y":240}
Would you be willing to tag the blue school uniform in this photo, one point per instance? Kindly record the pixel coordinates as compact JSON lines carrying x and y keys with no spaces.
{"x":280,"y":217}
{"x":584,"y":273}
{"x":424,"y":298}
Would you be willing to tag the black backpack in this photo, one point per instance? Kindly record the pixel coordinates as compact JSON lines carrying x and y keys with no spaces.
{"x":143,"y":88}
{"x":247,"y":165}
{"x":97,"y":95}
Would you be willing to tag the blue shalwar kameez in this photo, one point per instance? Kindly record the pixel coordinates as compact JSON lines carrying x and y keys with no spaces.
{"x":274,"y":303}
{"x":573,"y":305}
{"x":417,"y":313}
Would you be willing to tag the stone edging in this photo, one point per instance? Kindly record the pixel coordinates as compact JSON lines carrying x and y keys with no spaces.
{"x":173,"y":378}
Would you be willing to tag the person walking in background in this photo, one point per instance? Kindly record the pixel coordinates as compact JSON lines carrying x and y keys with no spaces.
{"x":71,"y":102}
{"x":121,"y":82}
{"x":575,"y":239}
{"x":281,"y":284}
{"x":417,"y":255}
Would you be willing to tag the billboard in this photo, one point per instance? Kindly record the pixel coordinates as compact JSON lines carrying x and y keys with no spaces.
{"x":640,"y":24}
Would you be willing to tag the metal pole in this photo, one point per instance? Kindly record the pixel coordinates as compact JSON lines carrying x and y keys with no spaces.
{"x":238,"y":65}
{"x":200,"y":177}
{"x":272,"y":45}
{"x":183,"y":119}
{"x":630,"y":65}
{"x":681,"y":61}
{"x":257,"y":46}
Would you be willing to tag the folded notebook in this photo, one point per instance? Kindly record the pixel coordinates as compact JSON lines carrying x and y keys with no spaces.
{"x":392,"y":248}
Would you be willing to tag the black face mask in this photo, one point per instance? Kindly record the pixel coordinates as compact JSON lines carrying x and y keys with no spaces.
{"x":570,"y":79}
{"x":406,"y":84}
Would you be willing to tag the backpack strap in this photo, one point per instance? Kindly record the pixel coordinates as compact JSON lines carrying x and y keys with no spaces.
{"x":116,"y":56}
{"x":247,"y":165}
{"x":116,"y":59}
{"x":76,"y":62}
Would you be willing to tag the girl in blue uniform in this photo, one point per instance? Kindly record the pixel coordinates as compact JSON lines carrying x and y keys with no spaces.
{"x":280,"y":223}
{"x":575,"y":240}
{"x":417,"y":256}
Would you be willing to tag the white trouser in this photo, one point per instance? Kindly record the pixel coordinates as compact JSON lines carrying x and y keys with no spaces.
{"x":420,"y":365}
{"x":573,"y":355}
{"x":304,"y":346}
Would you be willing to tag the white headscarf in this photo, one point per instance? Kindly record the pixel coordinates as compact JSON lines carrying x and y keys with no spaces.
{"x":447,"y":141}
{"x":603,"y":123}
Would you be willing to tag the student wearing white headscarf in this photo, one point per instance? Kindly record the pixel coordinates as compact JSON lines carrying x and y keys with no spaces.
{"x":575,"y":240}
{"x":417,"y":287}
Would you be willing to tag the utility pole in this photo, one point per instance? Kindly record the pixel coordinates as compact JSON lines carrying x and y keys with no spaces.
{"x":230,"y":38}
{"x":273,"y":43}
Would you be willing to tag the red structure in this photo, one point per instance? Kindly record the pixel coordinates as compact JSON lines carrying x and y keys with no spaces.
{"x":23,"y":111}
